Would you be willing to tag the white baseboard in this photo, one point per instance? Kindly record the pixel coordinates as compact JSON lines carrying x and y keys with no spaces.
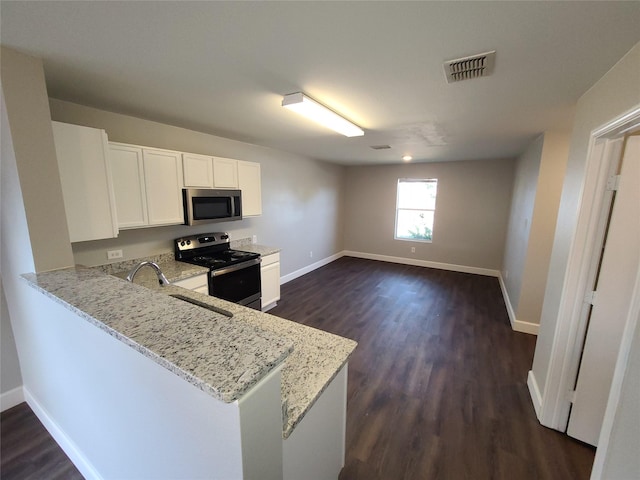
{"x":534,"y":392}
{"x":525,"y":327}
{"x":517,"y":325}
{"x":310,"y":268}
{"x":68,"y":446}
{"x":423,"y":263}
{"x":11,"y":398}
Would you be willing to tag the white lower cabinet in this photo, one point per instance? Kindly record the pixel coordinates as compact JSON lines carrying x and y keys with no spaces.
{"x":270,"y":279}
{"x":197,"y":283}
{"x":86,"y":180}
{"x":147,"y":185}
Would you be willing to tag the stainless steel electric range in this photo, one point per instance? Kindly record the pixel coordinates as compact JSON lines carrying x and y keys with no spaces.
{"x":234,"y":275}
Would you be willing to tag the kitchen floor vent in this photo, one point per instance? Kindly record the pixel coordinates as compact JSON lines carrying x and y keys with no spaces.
{"x":468,"y":68}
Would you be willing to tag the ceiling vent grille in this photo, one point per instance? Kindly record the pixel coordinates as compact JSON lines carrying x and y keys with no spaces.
{"x":381,"y":147}
{"x":468,"y":68}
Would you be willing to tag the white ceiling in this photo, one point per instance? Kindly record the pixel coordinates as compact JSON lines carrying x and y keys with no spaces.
{"x":222,"y":68}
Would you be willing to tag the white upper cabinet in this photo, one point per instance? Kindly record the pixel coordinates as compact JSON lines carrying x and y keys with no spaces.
{"x":148,"y":185}
{"x":86,"y":182}
{"x":250,"y":184}
{"x":128,"y":182}
{"x":198,"y":170}
{"x":163,"y":183}
{"x":225,"y":172}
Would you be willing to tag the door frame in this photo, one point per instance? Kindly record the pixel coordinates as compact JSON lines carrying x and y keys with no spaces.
{"x":570,"y":328}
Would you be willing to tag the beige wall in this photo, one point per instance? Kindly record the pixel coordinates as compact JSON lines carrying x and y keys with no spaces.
{"x":302,"y":198}
{"x":472,"y":209}
{"x":25,"y":95}
{"x":519,"y":228}
{"x":613,"y":95}
{"x":532,"y":221}
{"x":10,"y":376}
{"x":553,"y":164}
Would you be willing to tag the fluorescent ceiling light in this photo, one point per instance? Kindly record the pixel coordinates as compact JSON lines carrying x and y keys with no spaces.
{"x":307,"y":107}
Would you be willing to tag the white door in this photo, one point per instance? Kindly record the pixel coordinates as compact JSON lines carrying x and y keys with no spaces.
{"x":614,"y":290}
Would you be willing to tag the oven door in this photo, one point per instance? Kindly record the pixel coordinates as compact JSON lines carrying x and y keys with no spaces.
{"x":239,"y":283}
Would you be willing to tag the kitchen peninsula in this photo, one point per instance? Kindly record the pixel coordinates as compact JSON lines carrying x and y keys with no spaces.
{"x":251,"y":396}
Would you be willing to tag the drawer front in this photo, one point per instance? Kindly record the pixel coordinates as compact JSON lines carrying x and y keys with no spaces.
{"x":269,"y":259}
{"x":197,"y":282}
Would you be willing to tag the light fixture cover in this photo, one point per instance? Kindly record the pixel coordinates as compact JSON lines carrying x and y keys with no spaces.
{"x":309,"y":108}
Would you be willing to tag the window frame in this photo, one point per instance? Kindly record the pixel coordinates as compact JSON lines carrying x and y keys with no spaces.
{"x":395,"y":227}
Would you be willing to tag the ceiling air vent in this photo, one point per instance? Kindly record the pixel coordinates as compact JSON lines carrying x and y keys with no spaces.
{"x":468,"y":68}
{"x":381,"y":147}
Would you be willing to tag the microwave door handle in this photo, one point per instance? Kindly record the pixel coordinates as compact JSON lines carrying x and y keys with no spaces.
{"x":233,"y":206}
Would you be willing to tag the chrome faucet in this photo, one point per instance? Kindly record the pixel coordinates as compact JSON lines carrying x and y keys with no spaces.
{"x":161,"y":278}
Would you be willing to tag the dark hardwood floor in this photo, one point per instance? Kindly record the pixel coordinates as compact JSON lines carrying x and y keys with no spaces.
{"x":28,"y":452}
{"x":437,"y":386}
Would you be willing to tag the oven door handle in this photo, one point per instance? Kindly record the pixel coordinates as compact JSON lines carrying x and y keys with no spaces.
{"x":234,"y":268}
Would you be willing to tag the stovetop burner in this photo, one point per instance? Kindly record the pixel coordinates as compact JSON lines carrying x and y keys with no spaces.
{"x":210,"y":250}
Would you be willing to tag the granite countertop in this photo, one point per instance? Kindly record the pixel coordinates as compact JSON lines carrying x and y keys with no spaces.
{"x":316,"y":359}
{"x":263,"y":250}
{"x":222,"y":356}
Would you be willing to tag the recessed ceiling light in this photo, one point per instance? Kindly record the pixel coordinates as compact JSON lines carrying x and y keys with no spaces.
{"x":407,"y":158}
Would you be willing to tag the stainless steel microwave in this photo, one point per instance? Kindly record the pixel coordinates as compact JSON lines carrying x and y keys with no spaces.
{"x":204,"y":205}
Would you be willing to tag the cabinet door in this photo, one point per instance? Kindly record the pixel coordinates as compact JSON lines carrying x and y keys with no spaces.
{"x":198,"y":283}
{"x":225,"y":172}
{"x":250,"y":184}
{"x":198,"y":170}
{"x":128,"y":185}
{"x":86,"y":181}
{"x":163,"y":184}
{"x":270,"y":278}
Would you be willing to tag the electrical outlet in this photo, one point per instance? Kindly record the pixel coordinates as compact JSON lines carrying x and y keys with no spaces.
{"x":311,"y":254}
{"x":413,"y":249}
{"x":254,"y":239}
{"x":506,"y":274}
{"x":112,"y":254}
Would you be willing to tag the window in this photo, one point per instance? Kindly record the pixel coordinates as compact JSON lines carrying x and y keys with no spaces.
{"x":415,"y":209}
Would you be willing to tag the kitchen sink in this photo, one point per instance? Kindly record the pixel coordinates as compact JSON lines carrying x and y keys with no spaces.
{"x":192,"y":301}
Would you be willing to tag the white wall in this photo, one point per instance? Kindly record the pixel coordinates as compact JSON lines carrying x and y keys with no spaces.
{"x":302,"y":198}
{"x":472,"y":209}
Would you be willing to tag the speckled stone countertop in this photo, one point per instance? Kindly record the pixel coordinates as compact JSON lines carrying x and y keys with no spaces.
{"x":221,"y":356}
{"x":160,"y":329}
{"x":263,"y":250}
{"x":316,"y":359}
